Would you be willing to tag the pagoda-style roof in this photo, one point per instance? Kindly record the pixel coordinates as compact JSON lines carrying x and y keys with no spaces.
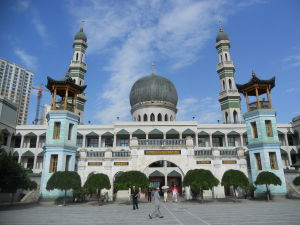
{"x":254,"y":83}
{"x":66,"y":81}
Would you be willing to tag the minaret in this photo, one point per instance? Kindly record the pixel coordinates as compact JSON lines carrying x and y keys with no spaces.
{"x":77,"y":69}
{"x":228,"y":97}
{"x":60,"y":147}
{"x":263,"y":142}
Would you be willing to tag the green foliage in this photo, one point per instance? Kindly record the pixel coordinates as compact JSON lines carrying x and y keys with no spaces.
{"x":234,"y":178}
{"x":97,"y":181}
{"x":64,"y":180}
{"x":131,"y":178}
{"x":297,"y":181}
{"x":267,"y":178}
{"x":13,"y":176}
{"x":200,"y":179}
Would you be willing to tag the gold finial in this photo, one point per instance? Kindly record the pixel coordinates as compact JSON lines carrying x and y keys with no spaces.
{"x":220,"y":25}
{"x":153,"y":65}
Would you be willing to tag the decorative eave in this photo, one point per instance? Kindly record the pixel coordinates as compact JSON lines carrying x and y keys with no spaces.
{"x":255,"y":81}
{"x":65,"y":81}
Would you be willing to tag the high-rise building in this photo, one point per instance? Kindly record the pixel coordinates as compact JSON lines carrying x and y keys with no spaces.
{"x":15,"y":85}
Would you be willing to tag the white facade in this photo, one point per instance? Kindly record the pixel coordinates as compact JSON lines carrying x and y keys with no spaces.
{"x":15,"y":85}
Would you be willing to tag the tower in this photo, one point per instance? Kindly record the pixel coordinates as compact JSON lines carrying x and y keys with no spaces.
{"x":60,"y":147}
{"x":263,"y":142}
{"x":229,"y":97}
{"x":77,"y":69}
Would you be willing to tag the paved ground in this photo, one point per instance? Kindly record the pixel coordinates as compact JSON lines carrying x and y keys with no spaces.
{"x":280,"y":212}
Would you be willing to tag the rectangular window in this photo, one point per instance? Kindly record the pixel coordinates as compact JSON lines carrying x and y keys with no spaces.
{"x":68,"y":158}
{"x":201,"y":142}
{"x":108,"y":142}
{"x":53,"y":164}
{"x":92,"y":142}
{"x":124,"y":142}
{"x":273,"y":161}
{"x":231,"y":141}
{"x":217,"y":141}
{"x":30,"y":162}
{"x":56,"y":131}
{"x":254,"y":130}
{"x":269,"y":128}
{"x":70,"y":131}
{"x":258,"y":161}
{"x":32,"y":142}
{"x":79,"y":141}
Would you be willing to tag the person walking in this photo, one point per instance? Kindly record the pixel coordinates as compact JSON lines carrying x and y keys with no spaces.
{"x":175,"y":193}
{"x":156,"y":212}
{"x":165,"y":195}
{"x":135,"y":196}
{"x":149,"y":194}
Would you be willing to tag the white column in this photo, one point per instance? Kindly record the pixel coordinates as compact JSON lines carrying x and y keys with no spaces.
{"x":22,"y":141}
{"x":37,"y":142}
{"x":180,"y":135}
{"x":210,"y":140}
{"x":9,"y":140}
{"x":289,"y":157}
{"x":196,"y":137}
{"x":83,"y":141}
{"x":147,"y":136}
{"x":286,"y":139}
{"x":99,"y":141}
{"x":164,"y":136}
{"x":115,"y":141}
{"x":34,"y":161}
{"x":226,"y":141}
{"x":242,"y":140}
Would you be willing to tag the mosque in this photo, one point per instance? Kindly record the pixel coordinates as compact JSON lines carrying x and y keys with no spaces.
{"x":154,"y":142}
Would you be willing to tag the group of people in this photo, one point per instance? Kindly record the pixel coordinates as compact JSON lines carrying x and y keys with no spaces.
{"x":153,"y":193}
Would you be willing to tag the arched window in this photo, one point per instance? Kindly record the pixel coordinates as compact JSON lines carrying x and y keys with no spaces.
{"x":76,"y":56}
{"x":139,"y":118}
{"x":230,"y":84}
{"x":145,"y":117}
{"x":235,"y":117}
{"x":226,"y":58}
{"x":224,"y":85}
{"x":159,"y":117}
{"x":166,"y":117}
{"x":171,"y":118}
{"x":152,"y":117}
{"x":226,"y":117}
{"x":221,"y":58}
{"x":80,"y":82}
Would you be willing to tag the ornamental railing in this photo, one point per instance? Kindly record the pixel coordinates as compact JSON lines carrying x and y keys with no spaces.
{"x":225,"y":152}
{"x":95,"y":154}
{"x":203,"y":152}
{"x":162,"y":142}
{"x":121,"y":154}
{"x":259,"y":105}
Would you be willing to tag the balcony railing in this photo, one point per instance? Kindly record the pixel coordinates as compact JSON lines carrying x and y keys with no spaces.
{"x":255,"y":105}
{"x":225,"y":152}
{"x":203,"y":152}
{"x":95,"y":154}
{"x":121,"y":154}
{"x":162,"y":142}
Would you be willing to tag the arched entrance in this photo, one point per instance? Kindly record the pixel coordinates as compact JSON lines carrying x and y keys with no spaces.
{"x":163,"y":172}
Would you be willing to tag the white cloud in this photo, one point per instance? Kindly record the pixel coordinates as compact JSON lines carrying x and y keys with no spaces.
{"x":293,"y":60}
{"x":204,"y":110}
{"x":39,"y":26}
{"x":29,"y":60}
{"x":21,"y":5}
{"x":133,"y":34}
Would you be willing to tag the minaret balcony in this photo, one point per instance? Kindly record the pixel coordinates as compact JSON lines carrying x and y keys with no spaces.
{"x":225,"y":64}
{"x":259,"y":105}
{"x":232,"y":92}
{"x":78,"y":64}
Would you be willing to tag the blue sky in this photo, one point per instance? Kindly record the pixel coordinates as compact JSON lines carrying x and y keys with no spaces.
{"x":125,"y":37}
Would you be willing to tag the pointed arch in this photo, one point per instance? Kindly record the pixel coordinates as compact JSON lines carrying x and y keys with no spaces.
{"x":145,"y":117}
{"x":152,"y":117}
{"x":226,"y":57}
{"x":166,"y":117}
{"x":139,"y":117}
{"x":235,"y":117}
{"x":171,"y":118}
{"x":159,"y":117}
{"x":77,"y":56}
{"x":226,"y":117}
{"x":224,"y":88}
{"x":230,"y":84}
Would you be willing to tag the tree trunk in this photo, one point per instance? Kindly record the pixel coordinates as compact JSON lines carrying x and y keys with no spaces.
{"x":268,"y":196}
{"x":234,"y":195}
{"x":99,"y":195}
{"x":201,"y":193}
{"x":65,"y":197}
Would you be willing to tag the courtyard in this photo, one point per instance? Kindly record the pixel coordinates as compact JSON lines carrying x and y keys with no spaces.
{"x":280,"y":211}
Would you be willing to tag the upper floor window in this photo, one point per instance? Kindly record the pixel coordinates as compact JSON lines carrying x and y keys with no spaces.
{"x":124,"y":142}
{"x":53,"y":164}
{"x":254,"y":130}
{"x":258,"y":161}
{"x":56,"y":130}
{"x":70,"y":131}
{"x":273,"y":161}
{"x":269,"y":130}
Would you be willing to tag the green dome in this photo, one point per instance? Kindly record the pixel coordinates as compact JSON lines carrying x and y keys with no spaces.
{"x":153,"y":88}
{"x":80,"y":35}
{"x":222,"y":36}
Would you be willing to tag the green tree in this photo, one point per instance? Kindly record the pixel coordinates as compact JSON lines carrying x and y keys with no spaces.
{"x":131,"y":178}
{"x":200,"y":179}
{"x":267,"y":178}
{"x":64,"y":181}
{"x":13,"y":176}
{"x":296,"y":181}
{"x":96,"y":182}
{"x":235,"y":179}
